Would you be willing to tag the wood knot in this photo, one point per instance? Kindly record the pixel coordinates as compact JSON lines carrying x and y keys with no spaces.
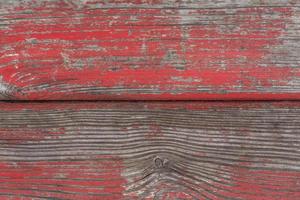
{"x":160,"y":162}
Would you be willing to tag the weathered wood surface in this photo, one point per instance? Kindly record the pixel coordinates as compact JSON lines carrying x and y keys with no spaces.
{"x":149,"y":49}
{"x":166,"y":151}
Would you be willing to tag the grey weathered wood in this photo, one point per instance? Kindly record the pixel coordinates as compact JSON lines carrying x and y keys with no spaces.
{"x":152,"y":150}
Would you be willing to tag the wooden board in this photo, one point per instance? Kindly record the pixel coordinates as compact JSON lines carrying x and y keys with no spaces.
{"x":149,"y":49}
{"x":195,"y":150}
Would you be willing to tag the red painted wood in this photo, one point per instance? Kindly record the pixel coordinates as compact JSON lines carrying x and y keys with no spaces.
{"x":143,"y":150}
{"x":158,"y":50}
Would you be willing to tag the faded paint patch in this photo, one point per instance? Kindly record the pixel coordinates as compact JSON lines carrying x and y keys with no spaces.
{"x":26,"y":135}
{"x":79,"y":179}
{"x":263,"y":185}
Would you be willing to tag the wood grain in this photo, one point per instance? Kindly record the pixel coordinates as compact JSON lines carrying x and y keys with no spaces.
{"x":185,"y":150}
{"x":149,"y":49}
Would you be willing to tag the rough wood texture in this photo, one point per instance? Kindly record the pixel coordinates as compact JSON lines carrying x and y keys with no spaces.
{"x":196,"y":150}
{"x":149,"y":49}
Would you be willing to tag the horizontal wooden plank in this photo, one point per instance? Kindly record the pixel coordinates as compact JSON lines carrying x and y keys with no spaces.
{"x":186,"y":150}
{"x":170,"y":49}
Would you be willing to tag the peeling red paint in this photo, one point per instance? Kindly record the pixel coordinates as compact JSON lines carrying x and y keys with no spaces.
{"x":141,"y":52}
{"x":264,"y":185}
{"x":176,"y":167}
{"x":87,"y":179}
{"x":23,"y":135}
{"x":154,"y":131}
